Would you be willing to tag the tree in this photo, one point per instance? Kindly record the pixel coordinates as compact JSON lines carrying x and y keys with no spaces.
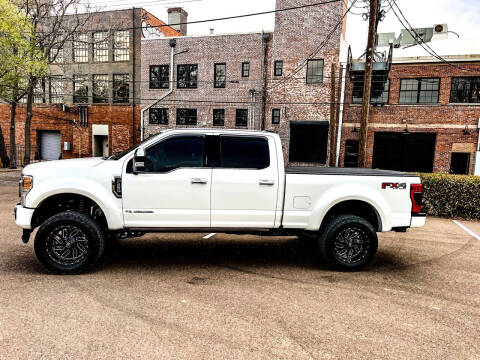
{"x":17,"y":58}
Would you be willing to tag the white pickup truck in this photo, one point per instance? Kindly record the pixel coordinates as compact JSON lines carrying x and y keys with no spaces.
{"x":202,"y":180}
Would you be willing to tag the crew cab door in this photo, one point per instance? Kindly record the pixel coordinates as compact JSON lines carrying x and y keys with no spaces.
{"x":174,"y":189}
{"x":245,"y":183}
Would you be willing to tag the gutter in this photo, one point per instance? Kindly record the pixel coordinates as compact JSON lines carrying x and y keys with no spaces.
{"x":173,"y":43}
{"x":340,"y":120}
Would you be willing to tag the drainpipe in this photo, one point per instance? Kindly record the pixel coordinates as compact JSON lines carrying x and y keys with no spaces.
{"x":340,"y":119}
{"x":133,"y":74}
{"x":173,"y":43}
{"x":477,"y":153}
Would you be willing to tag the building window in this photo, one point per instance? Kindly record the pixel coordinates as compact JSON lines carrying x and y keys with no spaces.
{"x":100,"y":47}
{"x":83,"y":115}
{"x":460,"y":164}
{"x":278,"y":68}
{"x":465,"y":90}
{"x":159,"y":77}
{"x":38,"y":93}
{"x":245,"y":69}
{"x":241,"y":118}
{"x":80,"y":48}
{"x":220,"y":75}
{"x":56,"y":90}
{"x":100,"y":88}
{"x":121,"y":46}
{"x":56,"y":56}
{"x":419,"y":91}
{"x":351,"y":153}
{"x":121,"y":88}
{"x":186,"y":116}
{"x":315,"y":71}
{"x":308,"y":141}
{"x":275,"y":116}
{"x":187,"y":76}
{"x":158,"y":116}
{"x":218,"y":117}
{"x":80,"y":89}
{"x":378,"y":96}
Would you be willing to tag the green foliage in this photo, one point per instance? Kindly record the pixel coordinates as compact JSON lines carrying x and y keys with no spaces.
{"x":455,"y":196}
{"x":19,"y":56}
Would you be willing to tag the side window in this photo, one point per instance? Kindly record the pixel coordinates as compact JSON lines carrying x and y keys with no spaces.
{"x":244,"y":152}
{"x":168,"y":155}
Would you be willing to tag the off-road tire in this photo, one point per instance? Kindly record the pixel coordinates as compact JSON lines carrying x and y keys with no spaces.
{"x":50,"y":237}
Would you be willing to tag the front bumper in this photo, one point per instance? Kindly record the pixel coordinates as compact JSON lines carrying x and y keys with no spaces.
{"x":23,"y":216}
{"x":418,"y":220}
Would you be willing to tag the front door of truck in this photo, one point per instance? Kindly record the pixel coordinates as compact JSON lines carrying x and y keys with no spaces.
{"x":174,"y":189}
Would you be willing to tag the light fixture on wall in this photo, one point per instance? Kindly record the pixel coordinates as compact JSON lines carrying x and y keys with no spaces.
{"x":466,"y":131}
{"x":355,"y":130}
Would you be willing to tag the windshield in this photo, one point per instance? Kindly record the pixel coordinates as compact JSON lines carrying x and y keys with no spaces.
{"x":118,"y":155}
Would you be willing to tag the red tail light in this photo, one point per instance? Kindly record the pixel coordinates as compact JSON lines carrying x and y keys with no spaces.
{"x":416,"y":195}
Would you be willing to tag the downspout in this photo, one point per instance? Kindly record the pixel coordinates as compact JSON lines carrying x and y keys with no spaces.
{"x":476,"y":171}
{"x":173,"y":43}
{"x":133,"y":74}
{"x":340,"y":119}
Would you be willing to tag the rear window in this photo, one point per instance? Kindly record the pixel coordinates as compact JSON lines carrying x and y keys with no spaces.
{"x":241,"y":152}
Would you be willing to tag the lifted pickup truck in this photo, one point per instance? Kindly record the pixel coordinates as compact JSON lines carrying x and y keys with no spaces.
{"x":201,"y":180}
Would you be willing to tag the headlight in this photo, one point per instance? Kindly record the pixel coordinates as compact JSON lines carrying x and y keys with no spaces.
{"x":25,"y":186}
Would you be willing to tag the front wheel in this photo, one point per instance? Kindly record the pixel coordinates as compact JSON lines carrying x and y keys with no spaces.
{"x":348,"y":242}
{"x":69,"y":243}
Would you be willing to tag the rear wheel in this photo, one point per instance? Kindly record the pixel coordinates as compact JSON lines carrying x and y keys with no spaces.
{"x":348,"y":242}
{"x":69,"y":243}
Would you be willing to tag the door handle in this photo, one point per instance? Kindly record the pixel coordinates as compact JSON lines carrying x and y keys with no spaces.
{"x":267,"y":182}
{"x":199,"y":181}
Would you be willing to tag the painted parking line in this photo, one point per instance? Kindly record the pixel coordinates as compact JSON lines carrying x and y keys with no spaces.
{"x":466,"y":229}
{"x":212,"y":234}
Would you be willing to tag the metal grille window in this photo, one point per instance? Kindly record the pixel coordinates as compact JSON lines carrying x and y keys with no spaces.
{"x":100,"y":47}
{"x":315,"y":71}
{"x":83,"y":115}
{"x":218,"y":117}
{"x":241,"y":118}
{"x":121,"y":46}
{"x":276,"y":116}
{"x":187,"y":76}
{"x":245,"y":69}
{"x":220,"y":75}
{"x":56,"y":56}
{"x":419,"y":91}
{"x":158,"y":116}
{"x":38,"y":93}
{"x":186,"y":116}
{"x":56,"y":90}
{"x":100,"y":88}
{"x":278,"y":68}
{"x":376,"y":98}
{"x":80,"y":89}
{"x":80,"y":49}
{"x":465,"y":90}
{"x":121,"y":88}
{"x":159,"y":76}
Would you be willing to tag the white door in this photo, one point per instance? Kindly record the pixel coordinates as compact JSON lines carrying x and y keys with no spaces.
{"x":245,"y":186}
{"x":50,"y":145}
{"x":174,"y":190}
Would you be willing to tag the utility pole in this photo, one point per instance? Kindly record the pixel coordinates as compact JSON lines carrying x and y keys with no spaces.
{"x":333,"y":123}
{"x":367,"y":83}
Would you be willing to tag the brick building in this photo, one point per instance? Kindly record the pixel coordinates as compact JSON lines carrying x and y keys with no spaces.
{"x":254,"y":80}
{"x":89,"y":103}
{"x":427,"y":117}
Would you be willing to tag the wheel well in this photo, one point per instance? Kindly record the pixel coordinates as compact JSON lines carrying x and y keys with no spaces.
{"x":355,"y":207}
{"x":58,"y":203}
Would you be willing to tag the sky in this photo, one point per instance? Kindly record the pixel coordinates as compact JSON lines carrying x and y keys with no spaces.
{"x":460,"y":15}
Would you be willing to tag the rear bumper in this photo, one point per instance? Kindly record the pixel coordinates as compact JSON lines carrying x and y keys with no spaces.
{"x":23,"y":216}
{"x":418,"y":220}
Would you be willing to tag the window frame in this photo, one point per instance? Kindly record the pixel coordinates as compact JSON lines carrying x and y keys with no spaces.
{"x":161,"y":111}
{"x":80,"y":45}
{"x":419,"y":84}
{"x":56,"y":79}
{"x":162,"y":82}
{"x":188,"y":80}
{"x":97,"y":47}
{"x":121,"y":53}
{"x":311,"y":80}
{"x":246,"y":72}
{"x":470,"y":98}
{"x":376,"y":103}
{"x":94,"y":96}
{"x":223,"y":120}
{"x":219,"y":84}
{"x":77,"y":78}
{"x":186,"y":122}
{"x":279,"y":116}
{"x":278,"y":62}
{"x":115,"y":99}
{"x":237,"y":112}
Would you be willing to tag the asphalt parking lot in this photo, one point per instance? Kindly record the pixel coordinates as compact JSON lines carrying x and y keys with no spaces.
{"x":237,"y":297}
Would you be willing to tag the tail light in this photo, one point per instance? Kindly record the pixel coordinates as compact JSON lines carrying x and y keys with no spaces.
{"x":416,"y":195}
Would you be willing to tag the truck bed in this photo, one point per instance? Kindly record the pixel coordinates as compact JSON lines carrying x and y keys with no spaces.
{"x":316,"y":170}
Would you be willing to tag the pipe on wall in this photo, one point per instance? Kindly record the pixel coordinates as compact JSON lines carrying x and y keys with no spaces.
{"x":340,"y":119}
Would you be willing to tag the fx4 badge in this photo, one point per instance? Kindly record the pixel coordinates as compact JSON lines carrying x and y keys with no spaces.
{"x":400,"y":186}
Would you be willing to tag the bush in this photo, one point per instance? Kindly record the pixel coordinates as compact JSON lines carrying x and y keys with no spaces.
{"x":455,"y":196}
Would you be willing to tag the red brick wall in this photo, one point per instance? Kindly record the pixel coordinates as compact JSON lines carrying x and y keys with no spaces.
{"x":446,"y":120}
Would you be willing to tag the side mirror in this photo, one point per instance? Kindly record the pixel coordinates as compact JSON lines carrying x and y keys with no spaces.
{"x":139,"y":160}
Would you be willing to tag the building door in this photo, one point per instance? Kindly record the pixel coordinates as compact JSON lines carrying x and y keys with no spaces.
{"x":351,"y":153}
{"x":100,"y":145}
{"x":50,"y":145}
{"x":460,"y":163}
{"x":404,"y":151}
{"x":308,"y":141}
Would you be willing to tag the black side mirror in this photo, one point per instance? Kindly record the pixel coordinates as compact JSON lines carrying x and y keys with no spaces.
{"x":139,"y":161}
